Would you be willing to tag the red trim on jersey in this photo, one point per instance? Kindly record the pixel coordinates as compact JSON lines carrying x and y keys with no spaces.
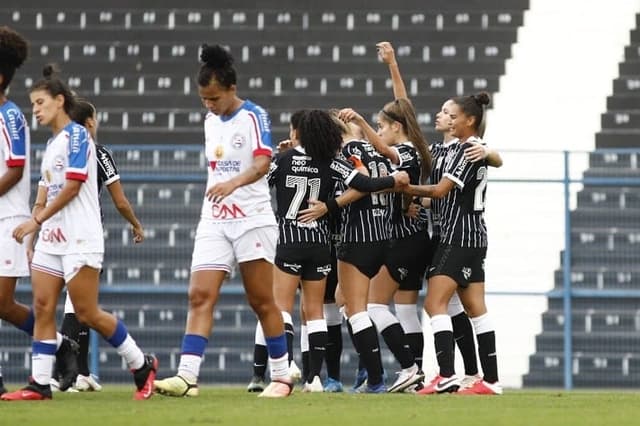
{"x":262,"y":151}
{"x":76,"y":176}
{"x":356,"y":161}
{"x":15,"y":162}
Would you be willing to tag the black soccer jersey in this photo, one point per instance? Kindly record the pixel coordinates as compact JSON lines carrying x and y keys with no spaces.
{"x":462,"y":216}
{"x":366,"y":219}
{"x":298,"y":178}
{"x":438,"y":154}
{"x":402,"y":225}
{"x":107,"y":170}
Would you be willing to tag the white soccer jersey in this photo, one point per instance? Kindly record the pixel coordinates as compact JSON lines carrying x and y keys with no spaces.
{"x":14,"y":152}
{"x":231,"y":143}
{"x":77,"y":227}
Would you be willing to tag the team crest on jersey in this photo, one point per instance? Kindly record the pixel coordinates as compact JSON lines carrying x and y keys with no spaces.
{"x":58,"y":163}
{"x":238,"y":140}
{"x":218,"y":152}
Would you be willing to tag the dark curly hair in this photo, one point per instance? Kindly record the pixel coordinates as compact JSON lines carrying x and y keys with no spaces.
{"x":14,"y":50}
{"x":217,"y":63}
{"x":319,"y":135}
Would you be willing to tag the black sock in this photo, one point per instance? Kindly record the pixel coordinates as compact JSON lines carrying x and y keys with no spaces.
{"x":79,"y":333}
{"x":305,"y":364}
{"x":317,"y":349}
{"x":355,"y":346}
{"x":334,"y":351}
{"x":443,"y":341}
{"x":260,"y":359}
{"x":288,"y":331}
{"x":366,"y":343}
{"x":395,"y":339}
{"x":488,"y":358}
{"x":416,"y":343}
{"x":463,"y":336}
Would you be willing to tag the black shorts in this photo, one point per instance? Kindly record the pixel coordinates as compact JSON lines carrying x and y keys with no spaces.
{"x":367,"y":257}
{"x":465,"y":265}
{"x":311,"y":263}
{"x":407,"y":260}
{"x":332,"y":278}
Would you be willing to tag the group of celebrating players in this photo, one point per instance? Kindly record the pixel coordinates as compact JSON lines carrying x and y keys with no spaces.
{"x":363,"y":216}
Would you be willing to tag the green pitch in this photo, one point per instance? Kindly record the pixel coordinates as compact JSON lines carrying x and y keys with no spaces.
{"x":234,"y":406}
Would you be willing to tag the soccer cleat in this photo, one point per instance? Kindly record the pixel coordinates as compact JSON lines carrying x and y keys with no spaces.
{"x":406,"y":378}
{"x":32,"y":392}
{"x":294,"y":372}
{"x":441,"y":384}
{"x":361,"y":379}
{"x":67,"y":363}
{"x":468,"y":381}
{"x":379,"y":388}
{"x":314,"y":386}
{"x":257,"y":384}
{"x":144,"y":378}
{"x":87,"y":383}
{"x":480,"y":387}
{"x":333,"y":385}
{"x":277,"y":389}
{"x":176,"y":386}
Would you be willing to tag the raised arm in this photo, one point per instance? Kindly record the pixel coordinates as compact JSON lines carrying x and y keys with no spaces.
{"x":348,"y":114}
{"x":387,"y":55}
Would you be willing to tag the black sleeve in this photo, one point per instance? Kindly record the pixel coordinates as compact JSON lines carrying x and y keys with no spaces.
{"x":107,"y":169}
{"x":366,"y":184}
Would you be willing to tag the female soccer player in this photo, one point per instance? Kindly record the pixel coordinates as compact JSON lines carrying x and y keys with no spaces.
{"x":310,"y":171}
{"x":458,"y":264}
{"x":84,"y":113}
{"x":237,"y":224}
{"x":70,"y":246}
{"x":14,"y":185}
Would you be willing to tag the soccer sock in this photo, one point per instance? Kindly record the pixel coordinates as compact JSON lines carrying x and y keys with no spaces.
{"x":27,"y":326}
{"x":317,"y":347}
{"x":278,"y":357}
{"x":43,"y":355}
{"x":193,"y":347}
{"x":443,"y":341}
{"x":334,"y":340}
{"x":126,"y":347}
{"x":73,"y":329}
{"x":260,"y":354}
{"x":486,"y":347}
{"x":304,"y":350}
{"x":408,"y":316}
{"x":463,"y":336}
{"x":392,"y":333}
{"x":288,"y":329}
{"x":365,"y":339}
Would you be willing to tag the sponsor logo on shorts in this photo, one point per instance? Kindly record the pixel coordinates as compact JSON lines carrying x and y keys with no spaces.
{"x":223,"y":211}
{"x":295,"y":267}
{"x":403,"y":273}
{"x":324,"y":270}
{"x":466,"y":272}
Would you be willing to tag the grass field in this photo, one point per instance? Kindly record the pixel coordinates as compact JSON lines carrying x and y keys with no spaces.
{"x":234,"y":406}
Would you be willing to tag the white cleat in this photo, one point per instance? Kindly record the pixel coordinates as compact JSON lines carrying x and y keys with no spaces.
{"x":406,"y":378}
{"x":314,"y":386}
{"x":88,"y":383}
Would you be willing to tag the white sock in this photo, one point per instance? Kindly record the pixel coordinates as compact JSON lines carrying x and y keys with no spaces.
{"x":189,"y":367}
{"x":304,"y":338}
{"x":279,"y":367}
{"x":42,"y":366}
{"x":131,"y":353}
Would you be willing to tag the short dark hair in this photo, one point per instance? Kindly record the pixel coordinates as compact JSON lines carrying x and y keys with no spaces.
{"x":217,"y":63}
{"x":82,"y":111}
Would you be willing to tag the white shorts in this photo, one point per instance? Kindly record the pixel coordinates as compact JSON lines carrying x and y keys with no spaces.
{"x":218,"y":246}
{"x":65,"y":265}
{"x":13,"y":255}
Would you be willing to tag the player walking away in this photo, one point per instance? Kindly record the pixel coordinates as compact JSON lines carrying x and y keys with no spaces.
{"x":237,"y":224}
{"x":310,"y":171}
{"x":84,"y":113}
{"x":458,"y":264}
{"x":14,"y":197}
{"x":70,"y":246}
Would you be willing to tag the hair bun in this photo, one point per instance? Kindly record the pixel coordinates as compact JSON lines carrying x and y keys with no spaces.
{"x":482,"y":98}
{"x":216,"y":56}
{"x":50,"y":70}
